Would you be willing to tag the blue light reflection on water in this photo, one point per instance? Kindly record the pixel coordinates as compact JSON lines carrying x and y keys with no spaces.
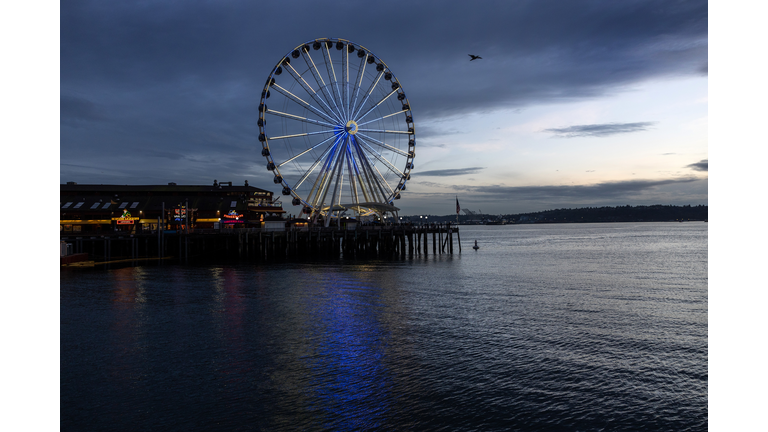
{"x":582,"y":327}
{"x":348,"y":375}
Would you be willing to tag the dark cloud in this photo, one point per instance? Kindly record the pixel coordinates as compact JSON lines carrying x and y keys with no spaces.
{"x":599,"y":130}
{"x":532,"y":51}
{"x":184,"y":78}
{"x":75,"y":110}
{"x":163,"y":154}
{"x":449,"y":172}
{"x":138,"y":169}
{"x":700,"y":166}
{"x":76,"y":166}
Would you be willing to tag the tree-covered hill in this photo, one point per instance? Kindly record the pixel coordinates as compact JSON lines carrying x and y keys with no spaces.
{"x":653,"y":213}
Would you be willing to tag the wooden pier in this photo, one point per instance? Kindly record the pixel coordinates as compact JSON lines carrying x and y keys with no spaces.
{"x":375,"y":241}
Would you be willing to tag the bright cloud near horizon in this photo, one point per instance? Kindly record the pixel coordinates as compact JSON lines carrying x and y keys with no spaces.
{"x":573,"y":103}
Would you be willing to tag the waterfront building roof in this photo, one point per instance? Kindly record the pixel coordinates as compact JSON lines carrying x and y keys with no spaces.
{"x":72,"y":188}
{"x":208,"y":202}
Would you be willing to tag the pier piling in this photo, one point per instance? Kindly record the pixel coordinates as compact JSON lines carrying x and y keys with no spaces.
{"x":362,"y":242}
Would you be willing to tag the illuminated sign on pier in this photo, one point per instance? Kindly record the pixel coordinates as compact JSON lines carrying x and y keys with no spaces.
{"x":232,"y":217}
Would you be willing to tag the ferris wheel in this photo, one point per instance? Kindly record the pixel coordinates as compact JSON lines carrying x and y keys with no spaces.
{"x":336,"y":129}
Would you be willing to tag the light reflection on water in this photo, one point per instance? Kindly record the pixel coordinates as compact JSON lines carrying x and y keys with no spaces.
{"x":127,"y":326}
{"x":348,"y":340}
{"x":575,"y":327}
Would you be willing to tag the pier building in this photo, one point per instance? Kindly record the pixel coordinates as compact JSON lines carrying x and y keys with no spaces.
{"x":91,"y":208}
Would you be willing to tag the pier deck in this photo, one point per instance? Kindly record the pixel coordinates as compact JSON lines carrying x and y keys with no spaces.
{"x":261,"y":244}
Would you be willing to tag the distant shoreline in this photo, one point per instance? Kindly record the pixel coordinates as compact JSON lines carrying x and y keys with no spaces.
{"x":653,"y":213}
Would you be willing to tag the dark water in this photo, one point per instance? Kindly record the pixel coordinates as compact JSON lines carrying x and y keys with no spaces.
{"x":553,"y":327}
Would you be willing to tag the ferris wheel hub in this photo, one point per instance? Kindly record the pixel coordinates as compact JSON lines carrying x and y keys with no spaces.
{"x":351,"y":127}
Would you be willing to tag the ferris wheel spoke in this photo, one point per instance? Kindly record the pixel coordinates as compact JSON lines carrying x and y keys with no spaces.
{"x":377,"y":104}
{"x":298,"y":135}
{"x":381,"y":158}
{"x":303,"y":103}
{"x":339,"y":178}
{"x":385,"y":182}
{"x":365,"y":181}
{"x":328,"y":176}
{"x":378,"y":180}
{"x":368,"y":93}
{"x":381,"y":180}
{"x":320,"y":179}
{"x":385,"y":145}
{"x":359,"y":80}
{"x":311,"y":91}
{"x":314,"y":165}
{"x":345,"y":81}
{"x":300,"y":118}
{"x":351,"y":167}
{"x":310,"y":149}
{"x":374,"y":187}
{"x":380,"y":118}
{"x":360,"y":177}
{"x":320,"y":81}
{"x":331,"y":72}
{"x":368,"y":178}
{"x":324,"y":174}
{"x":384,"y":131}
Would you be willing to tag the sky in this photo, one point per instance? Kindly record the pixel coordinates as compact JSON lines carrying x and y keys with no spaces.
{"x":573,"y":104}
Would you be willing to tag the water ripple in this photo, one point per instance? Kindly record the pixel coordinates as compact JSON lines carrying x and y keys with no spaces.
{"x":583,"y":328}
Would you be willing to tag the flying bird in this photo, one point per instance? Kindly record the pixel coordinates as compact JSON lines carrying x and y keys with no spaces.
{"x":474,"y":57}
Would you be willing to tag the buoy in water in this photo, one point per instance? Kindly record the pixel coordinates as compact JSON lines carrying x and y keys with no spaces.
{"x":475,"y":247}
